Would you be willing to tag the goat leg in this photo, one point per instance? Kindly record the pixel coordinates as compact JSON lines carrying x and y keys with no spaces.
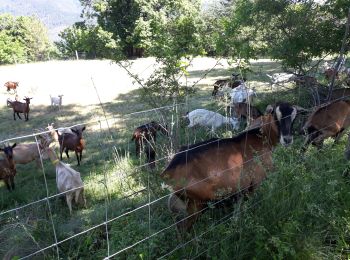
{"x":69,"y":198}
{"x":151,"y":156}
{"x":7,"y":184}
{"x":19,"y":116}
{"x":339,"y":135}
{"x":66,"y":151}
{"x":12,"y":179}
{"x":347,"y":150}
{"x":76,"y":153}
{"x":61,"y":151}
{"x":138,"y":147}
{"x":14,"y":115}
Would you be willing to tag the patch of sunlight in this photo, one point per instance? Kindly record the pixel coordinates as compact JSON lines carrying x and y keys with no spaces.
{"x":118,"y":179}
{"x":328,"y":141}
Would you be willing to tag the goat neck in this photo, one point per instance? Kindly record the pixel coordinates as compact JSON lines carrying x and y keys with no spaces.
{"x":269,"y":129}
{"x":53,"y":157}
{"x":8,"y":151}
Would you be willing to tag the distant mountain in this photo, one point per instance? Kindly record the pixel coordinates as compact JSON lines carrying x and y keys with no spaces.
{"x":55,"y":14}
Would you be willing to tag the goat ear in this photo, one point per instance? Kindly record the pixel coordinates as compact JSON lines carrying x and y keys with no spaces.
{"x":14,"y":145}
{"x":301,"y":109}
{"x":269,"y":109}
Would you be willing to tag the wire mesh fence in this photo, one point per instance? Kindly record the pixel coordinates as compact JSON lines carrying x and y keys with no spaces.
{"x":126,"y":213}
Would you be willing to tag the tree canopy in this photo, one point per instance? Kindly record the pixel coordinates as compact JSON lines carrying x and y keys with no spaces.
{"x":292,"y":31}
{"x":154,"y":27}
{"x":91,"y":40}
{"x":23,"y":39}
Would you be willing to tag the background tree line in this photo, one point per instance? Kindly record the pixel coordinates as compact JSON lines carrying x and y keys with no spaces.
{"x":23,"y":39}
{"x":293,"y":31}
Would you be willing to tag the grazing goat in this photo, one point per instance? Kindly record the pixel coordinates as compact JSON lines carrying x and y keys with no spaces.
{"x":280,"y":78}
{"x":231,"y":83}
{"x":242,"y":94}
{"x":68,"y":181}
{"x":330,"y":72}
{"x":329,"y":120}
{"x":214,"y":169}
{"x":26,"y":153}
{"x":338,"y":93}
{"x":210,"y":119}
{"x":11,"y":85}
{"x":243,"y":110}
{"x":19,"y":107}
{"x":56,"y":101}
{"x":61,"y":131}
{"x":73,"y":142}
{"x":8,"y":167}
{"x":220,"y":84}
{"x":305,"y":80}
{"x":146,"y":135}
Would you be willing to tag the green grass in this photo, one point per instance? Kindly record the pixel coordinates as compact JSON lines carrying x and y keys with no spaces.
{"x":300,"y":212}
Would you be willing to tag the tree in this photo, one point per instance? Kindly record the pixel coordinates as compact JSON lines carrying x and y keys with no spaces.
{"x":292,"y":31}
{"x":22,"y":39}
{"x":144,"y":26}
{"x":171,"y":31}
{"x":11,"y":50}
{"x":213,"y":16}
{"x":33,"y":34}
{"x":89,"y":39}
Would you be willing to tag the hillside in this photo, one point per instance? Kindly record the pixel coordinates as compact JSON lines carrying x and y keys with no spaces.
{"x":56,"y":15}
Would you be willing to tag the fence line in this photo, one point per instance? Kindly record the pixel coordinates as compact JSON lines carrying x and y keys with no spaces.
{"x":124,"y":214}
{"x":137,"y":167}
{"x":143,"y":206}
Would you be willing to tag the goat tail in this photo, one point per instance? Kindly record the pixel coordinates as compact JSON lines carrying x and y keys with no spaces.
{"x":9,"y":103}
{"x":133,"y":137}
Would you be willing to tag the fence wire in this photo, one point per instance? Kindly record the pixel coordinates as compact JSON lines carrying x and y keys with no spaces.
{"x":147,"y":189}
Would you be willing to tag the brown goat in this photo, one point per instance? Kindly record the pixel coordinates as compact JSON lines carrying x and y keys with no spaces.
{"x":305,"y":80}
{"x":11,"y":85}
{"x":329,"y":120}
{"x":73,"y":142}
{"x":330,"y":72}
{"x":243,"y":110}
{"x":214,"y":169}
{"x":8,"y":167}
{"x":219,"y":84}
{"x":338,"y":93}
{"x":19,"y":107}
{"x":146,"y":135}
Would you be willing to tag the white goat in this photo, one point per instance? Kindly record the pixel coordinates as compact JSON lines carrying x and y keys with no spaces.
{"x":68,"y":181}
{"x":242,"y":94}
{"x":279,"y":78}
{"x":56,"y":101}
{"x":210,"y":119}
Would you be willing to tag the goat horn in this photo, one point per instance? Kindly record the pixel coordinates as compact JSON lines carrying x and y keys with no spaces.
{"x":269,"y":109}
{"x":299,"y":108}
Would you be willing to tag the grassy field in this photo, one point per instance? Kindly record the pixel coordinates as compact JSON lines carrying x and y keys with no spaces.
{"x":301,"y":211}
